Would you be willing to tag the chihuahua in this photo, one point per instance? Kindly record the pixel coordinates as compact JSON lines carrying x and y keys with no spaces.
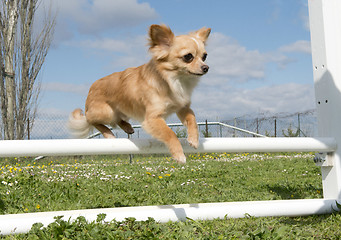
{"x":151,"y":92}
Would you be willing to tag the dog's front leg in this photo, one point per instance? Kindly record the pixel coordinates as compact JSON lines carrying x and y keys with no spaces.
{"x":157,"y":127}
{"x":187,"y":117}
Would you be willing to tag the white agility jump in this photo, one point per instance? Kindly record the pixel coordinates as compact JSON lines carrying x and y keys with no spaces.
{"x":21,"y":223}
{"x":324,"y":16}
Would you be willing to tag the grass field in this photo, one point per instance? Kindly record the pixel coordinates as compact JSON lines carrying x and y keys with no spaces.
{"x":65,"y":183}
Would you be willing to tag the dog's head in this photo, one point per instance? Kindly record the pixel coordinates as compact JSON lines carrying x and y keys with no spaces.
{"x":184,"y":54}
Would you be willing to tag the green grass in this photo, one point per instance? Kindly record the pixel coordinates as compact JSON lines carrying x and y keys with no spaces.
{"x":53,"y":184}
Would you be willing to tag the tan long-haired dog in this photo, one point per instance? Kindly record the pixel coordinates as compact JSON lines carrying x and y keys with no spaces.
{"x":151,"y":92}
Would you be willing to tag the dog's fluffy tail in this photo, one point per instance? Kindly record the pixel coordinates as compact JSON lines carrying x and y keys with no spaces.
{"x":78,"y":125}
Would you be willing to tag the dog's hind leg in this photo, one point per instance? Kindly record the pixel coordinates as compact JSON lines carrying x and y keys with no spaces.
{"x":126,"y":127}
{"x":106,"y":132}
{"x":98,"y":114}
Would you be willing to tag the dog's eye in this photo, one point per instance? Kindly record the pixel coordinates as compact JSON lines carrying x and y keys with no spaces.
{"x":204,"y":57}
{"x":188,"y":58}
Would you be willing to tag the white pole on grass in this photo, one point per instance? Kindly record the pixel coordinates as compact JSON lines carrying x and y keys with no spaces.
{"x":22,"y":223}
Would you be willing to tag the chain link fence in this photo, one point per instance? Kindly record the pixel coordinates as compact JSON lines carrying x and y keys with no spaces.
{"x":300,"y":124}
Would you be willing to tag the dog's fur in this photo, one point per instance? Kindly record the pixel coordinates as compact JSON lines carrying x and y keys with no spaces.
{"x":151,"y":92}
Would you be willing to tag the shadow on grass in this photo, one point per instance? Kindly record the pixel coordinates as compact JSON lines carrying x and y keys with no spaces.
{"x":2,"y":206}
{"x":313,"y":222}
{"x":116,"y":205}
{"x":289,"y":192}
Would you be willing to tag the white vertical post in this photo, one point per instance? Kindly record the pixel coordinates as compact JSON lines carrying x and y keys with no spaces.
{"x":325,"y":29}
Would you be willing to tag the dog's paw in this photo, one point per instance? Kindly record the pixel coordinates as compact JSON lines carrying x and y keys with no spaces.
{"x":129,"y":130}
{"x":193,"y":142}
{"x":126,"y":127}
{"x":181,"y":159}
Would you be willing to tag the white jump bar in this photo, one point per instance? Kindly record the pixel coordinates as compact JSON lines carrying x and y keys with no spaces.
{"x":22,"y":223}
{"x":21,"y":148}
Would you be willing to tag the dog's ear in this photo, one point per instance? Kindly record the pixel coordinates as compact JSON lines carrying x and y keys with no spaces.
{"x":202,"y":34}
{"x":160,"y":35}
{"x":161,"y":38}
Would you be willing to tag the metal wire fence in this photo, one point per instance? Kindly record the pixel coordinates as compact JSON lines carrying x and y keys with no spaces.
{"x":300,"y":124}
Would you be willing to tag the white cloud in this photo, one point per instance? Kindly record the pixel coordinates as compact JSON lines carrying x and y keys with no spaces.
{"x":128,"y":52}
{"x":300,"y":46}
{"x":128,"y":45}
{"x":96,"y":16}
{"x":233,"y":62}
{"x":226,"y":57}
{"x":229,"y":102}
{"x":81,"y":89}
{"x":102,"y":15}
{"x":106,"y":44}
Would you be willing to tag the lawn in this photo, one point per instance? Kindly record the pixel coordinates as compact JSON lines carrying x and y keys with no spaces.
{"x":65,"y":183}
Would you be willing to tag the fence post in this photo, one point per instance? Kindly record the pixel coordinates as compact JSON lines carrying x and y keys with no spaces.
{"x":245,"y":127}
{"x":299,"y":125}
{"x":28,"y":129}
{"x":275,"y":127}
{"x":130,"y":155}
{"x":234,"y":124}
{"x":325,"y":18}
{"x":257,"y":125}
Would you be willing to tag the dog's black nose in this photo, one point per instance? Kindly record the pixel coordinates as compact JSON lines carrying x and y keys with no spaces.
{"x":205,"y":68}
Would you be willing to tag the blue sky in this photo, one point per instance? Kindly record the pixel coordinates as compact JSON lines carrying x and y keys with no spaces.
{"x":258,"y":52}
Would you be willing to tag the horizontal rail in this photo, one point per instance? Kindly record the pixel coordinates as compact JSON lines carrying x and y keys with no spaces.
{"x":199,"y":124}
{"x":22,"y":223}
{"x":213,"y":123}
{"x":239,"y":129}
{"x":64,"y":147}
